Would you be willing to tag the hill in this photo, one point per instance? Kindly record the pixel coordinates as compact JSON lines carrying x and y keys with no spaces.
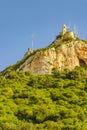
{"x":47,"y":89}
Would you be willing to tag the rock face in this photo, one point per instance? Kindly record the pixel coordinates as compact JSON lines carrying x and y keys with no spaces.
{"x":61,"y":54}
{"x":66,"y":52}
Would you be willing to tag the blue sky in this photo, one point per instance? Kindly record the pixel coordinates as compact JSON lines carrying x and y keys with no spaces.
{"x":20,"y":19}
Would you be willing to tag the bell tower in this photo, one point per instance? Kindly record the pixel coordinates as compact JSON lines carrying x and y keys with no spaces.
{"x":63,"y":30}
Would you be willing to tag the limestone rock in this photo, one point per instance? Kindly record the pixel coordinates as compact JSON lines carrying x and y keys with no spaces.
{"x":65,"y":52}
{"x":65,"y":56}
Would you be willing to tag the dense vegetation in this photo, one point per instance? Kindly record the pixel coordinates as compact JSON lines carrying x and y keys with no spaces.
{"x":44,"y":102}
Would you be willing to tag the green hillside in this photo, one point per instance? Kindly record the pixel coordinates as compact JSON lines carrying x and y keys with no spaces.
{"x":44,"y":102}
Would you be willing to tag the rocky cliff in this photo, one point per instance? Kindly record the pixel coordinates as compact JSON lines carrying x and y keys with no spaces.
{"x":65,"y":52}
{"x":60,"y":54}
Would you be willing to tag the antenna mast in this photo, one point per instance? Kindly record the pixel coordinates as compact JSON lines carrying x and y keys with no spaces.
{"x":75,"y":31}
{"x":32,"y":41}
{"x":69,"y":26}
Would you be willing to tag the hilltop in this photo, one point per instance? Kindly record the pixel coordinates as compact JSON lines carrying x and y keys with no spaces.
{"x":65,"y":52}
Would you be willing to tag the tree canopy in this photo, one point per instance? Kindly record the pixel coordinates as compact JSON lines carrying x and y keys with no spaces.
{"x":57,"y":101}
